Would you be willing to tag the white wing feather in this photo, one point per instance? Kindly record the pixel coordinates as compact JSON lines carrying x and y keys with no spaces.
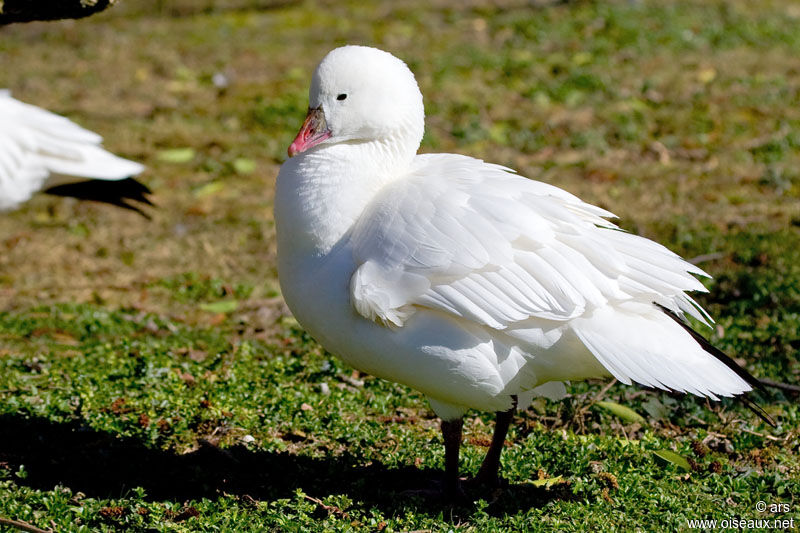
{"x":41,"y":149}
{"x":527,"y":259}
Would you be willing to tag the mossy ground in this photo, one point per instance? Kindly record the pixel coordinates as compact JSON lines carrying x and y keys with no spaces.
{"x":152,"y":379}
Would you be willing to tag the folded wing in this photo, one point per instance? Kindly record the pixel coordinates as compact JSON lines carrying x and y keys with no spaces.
{"x":532,"y":261}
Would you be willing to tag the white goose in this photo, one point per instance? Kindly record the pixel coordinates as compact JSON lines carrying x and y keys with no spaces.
{"x":41,"y":150}
{"x":461,"y":279}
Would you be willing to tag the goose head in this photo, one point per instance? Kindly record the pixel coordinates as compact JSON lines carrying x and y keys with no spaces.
{"x":362,"y":95}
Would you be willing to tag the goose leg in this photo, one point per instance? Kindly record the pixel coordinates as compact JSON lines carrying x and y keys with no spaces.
{"x":451,"y":432}
{"x":488,"y":475}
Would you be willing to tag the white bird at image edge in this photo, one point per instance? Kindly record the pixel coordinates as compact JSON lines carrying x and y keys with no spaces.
{"x":40,"y":150}
{"x":478,"y":287}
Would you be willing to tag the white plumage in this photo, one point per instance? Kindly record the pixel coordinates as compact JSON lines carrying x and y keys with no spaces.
{"x":530,"y":262}
{"x":39,"y":150}
{"x":459,"y":278}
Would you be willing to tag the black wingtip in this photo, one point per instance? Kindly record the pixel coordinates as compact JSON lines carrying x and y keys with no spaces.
{"x":727,"y":361}
{"x":125,"y":193}
{"x":757,"y":410}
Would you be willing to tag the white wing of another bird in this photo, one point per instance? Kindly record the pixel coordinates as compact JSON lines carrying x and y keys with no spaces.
{"x":40,"y":150}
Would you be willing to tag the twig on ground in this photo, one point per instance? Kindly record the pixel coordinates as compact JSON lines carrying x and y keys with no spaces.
{"x":696,"y":260}
{"x":759,"y":141}
{"x":598,"y":396}
{"x":786,"y":387}
{"x":22,"y":526}
{"x":330,"y":508}
{"x":757,"y":434}
{"x":578,"y":415}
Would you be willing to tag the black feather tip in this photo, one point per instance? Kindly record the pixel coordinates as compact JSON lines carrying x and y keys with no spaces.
{"x":727,"y":361}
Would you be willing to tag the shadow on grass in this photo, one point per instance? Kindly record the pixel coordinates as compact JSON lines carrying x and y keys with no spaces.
{"x":103,"y":465}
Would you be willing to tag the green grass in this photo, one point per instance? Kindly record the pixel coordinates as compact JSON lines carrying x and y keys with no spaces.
{"x":152,"y":379}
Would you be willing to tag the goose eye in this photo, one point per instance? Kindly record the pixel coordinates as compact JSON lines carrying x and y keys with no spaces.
{"x":341,"y":96}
